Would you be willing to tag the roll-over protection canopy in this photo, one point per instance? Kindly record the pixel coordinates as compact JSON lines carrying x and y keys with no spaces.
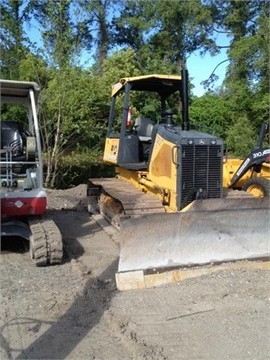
{"x":13,"y":91}
{"x":164,"y":85}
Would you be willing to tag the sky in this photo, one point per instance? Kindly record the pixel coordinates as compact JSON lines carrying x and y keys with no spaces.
{"x":201,"y":67}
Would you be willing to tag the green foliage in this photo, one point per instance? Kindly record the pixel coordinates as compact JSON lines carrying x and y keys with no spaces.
{"x":78,"y":167}
{"x":121,"y":64}
{"x":163,"y":32}
{"x":13,"y":48}
{"x":209,"y":114}
{"x":33,"y":68}
{"x":14,"y":113}
{"x":143,"y":37}
{"x":241,"y":137}
{"x":59,"y":33}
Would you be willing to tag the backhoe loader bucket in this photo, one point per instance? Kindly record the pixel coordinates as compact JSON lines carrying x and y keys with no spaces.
{"x":206,"y":234}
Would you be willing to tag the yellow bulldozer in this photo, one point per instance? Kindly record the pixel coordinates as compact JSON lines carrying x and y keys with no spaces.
{"x":170,"y":198}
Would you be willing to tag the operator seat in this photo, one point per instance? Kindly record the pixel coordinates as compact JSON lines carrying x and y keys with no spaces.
{"x":144,"y":128}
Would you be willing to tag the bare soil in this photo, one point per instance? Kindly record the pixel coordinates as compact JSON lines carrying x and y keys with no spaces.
{"x":74,"y":311}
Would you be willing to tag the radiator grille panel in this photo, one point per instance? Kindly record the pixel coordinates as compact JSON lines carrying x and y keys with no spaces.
{"x":200,"y":172}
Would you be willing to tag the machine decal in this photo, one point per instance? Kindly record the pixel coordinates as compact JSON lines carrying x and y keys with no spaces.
{"x":261,"y":153}
{"x":243,"y":166}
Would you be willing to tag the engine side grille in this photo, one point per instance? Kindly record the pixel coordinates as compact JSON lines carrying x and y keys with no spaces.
{"x":200,"y":172}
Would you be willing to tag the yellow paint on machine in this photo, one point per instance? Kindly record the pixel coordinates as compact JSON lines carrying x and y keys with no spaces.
{"x":111,"y":150}
{"x":230,"y":167}
{"x":160,"y":180}
{"x":162,"y":170}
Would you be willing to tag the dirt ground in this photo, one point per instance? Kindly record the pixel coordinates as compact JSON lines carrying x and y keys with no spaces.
{"x":74,"y":311}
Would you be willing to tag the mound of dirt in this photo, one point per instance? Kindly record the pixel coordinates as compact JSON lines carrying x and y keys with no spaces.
{"x":70,"y":199}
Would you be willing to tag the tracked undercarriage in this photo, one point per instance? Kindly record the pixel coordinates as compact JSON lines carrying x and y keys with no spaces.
{"x":45,"y":239}
{"x":117,"y":200}
{"x":45,"y":242}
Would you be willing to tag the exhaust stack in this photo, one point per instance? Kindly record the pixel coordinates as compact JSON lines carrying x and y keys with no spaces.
{"x":184,"y":75}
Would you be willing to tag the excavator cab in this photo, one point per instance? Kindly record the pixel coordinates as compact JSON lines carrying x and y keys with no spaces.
{"x":22,"y":193}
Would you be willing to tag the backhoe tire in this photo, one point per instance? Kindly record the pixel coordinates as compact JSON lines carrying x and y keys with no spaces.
{"x":257,"y":186}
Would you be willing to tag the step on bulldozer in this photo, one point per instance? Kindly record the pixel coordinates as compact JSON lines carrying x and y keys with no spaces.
{"x":167,"y":197}
{"x":23,"y":197}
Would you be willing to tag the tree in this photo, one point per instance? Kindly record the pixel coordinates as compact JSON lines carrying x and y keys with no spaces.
{"x":245,"y":86}
{"x":96,"y":22}
{"x":13,"y":39}
{"x":62,"y":42}
{"x":14,"y":49}
{"x":164,"y":32}
{"x":208,"y":113}
{"x":60,"y":34}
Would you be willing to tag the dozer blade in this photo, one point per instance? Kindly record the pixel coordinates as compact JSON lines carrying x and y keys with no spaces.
{"x":197,"y":237}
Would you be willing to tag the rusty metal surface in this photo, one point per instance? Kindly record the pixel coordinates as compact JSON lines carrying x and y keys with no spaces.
{"x":134,"y":201}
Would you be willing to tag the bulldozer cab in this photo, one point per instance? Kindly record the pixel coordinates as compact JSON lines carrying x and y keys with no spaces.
{"x":181,"y":164}
{"x":129,"y":141}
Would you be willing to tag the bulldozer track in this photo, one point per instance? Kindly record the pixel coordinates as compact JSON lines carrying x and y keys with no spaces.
{"x":117,"y":200}
{"x":46,"y":247}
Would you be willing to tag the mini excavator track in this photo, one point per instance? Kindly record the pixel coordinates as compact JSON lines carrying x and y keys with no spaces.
{"x":46,"y":247}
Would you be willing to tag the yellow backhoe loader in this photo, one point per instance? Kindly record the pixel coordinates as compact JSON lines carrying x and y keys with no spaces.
{"x":168,"y":197}
{"x":253,"y":173}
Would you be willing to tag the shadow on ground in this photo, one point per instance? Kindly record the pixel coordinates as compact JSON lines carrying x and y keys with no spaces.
{"x":83,"y":315}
